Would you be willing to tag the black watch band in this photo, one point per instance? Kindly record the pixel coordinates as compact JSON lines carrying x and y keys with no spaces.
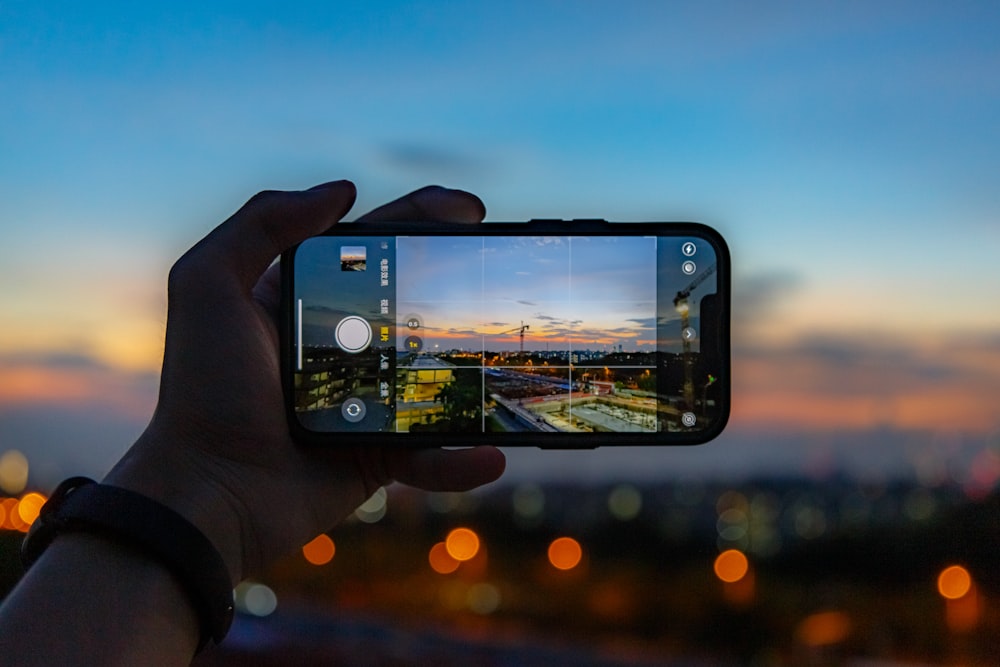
{"x":80,"y":504}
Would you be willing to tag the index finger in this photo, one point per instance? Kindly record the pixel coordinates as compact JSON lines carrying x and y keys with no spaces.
{"x":269,"y":223}
{"x":430,"y":203}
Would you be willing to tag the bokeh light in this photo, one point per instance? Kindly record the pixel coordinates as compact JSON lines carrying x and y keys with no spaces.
{"x":13,"y":472}
{"x":440,"y":560}
{"x":373,"y":509}
{"x":954,"y":582}
{"x":733,"y":525}
{"x":483,"y":598}
{"x":625,"y":502}
{"x":255,"y":599}
{"x":528,"y":500}
{"x":565,"y":553}
{"x":29,"y":507}
{"x":320,"y":550}
{"x":731,"y":565}
{"x":462,"y":544}
{"x":12,"y":518}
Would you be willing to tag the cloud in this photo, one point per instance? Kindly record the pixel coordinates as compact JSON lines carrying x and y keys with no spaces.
{"x":758,"y":294}
{"x":646,"y":323}
{"x":73,"y":378}
{"x":70,"y":413}
{"x":866,"y":381}
{"x":424,"y":159}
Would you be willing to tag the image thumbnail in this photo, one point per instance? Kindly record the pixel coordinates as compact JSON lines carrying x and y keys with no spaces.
{"x":353,"y":258}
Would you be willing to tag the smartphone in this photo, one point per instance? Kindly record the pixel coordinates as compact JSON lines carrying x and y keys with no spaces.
{"x":549,"y":333}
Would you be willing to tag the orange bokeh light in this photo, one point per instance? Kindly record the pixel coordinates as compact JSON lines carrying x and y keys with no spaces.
{"x":954,"y":582}
{"x":565,"y":553}
{"x":11,"y":517}
{"x":462,"y":544}
{"x":731,"y":566}
{"x":320,"y":550}
{"x":440,"y":560}
{"x":30,"y":506}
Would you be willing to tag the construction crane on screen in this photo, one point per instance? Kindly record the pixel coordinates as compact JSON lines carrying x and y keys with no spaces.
{"x":682,"y":306}
{"x":519,"y":330}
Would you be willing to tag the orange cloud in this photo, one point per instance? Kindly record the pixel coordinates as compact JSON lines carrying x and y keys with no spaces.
{"x":846,"y":382}
{"x":74,"y":381}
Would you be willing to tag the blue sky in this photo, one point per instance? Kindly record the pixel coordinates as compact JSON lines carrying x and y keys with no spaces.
{"x":849,"y":152}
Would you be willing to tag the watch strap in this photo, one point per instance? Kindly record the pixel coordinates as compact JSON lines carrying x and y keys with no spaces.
{"x":81,"y":504}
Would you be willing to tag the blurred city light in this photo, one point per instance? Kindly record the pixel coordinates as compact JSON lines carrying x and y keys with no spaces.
{"x":565,"y":553}
{"x":483,"y":598}
{"x":462,"y":544}
{"x":255,"y":599}
{"x":373,"y":509}
{"x":29,"y":506}
{"x":810,"y":519}
{"x":733,"y":525}
{"x":731,"y":566}
{"x":13,"y":472}
{"x":954,"y":582}
{"x":440,"y":560}
{"x":625,"y":502}
{"x":529,"y":501}
{"x":731,"y":500}
{"x":12,"y":517}
{"x":320,"y":550}
{"x":447,"y":502}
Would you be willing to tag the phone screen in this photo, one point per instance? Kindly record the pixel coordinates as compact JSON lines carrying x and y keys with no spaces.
{"x":616,"y":332}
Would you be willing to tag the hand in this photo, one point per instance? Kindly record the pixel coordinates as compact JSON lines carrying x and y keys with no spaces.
{"x":218,"y":449}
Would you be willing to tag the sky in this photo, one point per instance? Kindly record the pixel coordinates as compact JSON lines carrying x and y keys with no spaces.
{"x":479,"y":296}
{"x":849,"y":153}
{"x":467,"y":292}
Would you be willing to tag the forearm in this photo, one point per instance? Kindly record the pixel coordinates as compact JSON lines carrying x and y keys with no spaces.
{"x":91,"y":600}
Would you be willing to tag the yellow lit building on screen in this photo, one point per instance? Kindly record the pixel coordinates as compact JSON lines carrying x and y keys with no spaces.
{"x":417,"y":385}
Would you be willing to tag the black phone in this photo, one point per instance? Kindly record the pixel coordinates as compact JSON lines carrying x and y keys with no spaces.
{"x":551,"y":333}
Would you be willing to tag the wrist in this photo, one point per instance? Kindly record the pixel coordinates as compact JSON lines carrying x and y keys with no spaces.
{"x":140,"y":525}
{"x":154,"y":469}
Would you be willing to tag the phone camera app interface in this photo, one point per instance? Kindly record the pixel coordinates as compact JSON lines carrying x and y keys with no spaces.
{"x":545,"y":334}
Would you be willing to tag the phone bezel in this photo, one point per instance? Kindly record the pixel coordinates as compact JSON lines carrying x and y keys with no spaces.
{"x":530,"y":228}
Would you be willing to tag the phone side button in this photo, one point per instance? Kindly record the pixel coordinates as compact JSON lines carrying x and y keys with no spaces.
{"x":567,"y":447}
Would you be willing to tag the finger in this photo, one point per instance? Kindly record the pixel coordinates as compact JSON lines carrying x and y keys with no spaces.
{"x":430,"y":203}
{"x":444,"y":469}
{"x":268,"y":224}
{"x":267,"y":291}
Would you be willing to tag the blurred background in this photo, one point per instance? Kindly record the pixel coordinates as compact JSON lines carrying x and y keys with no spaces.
{"x":849,"y":152}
